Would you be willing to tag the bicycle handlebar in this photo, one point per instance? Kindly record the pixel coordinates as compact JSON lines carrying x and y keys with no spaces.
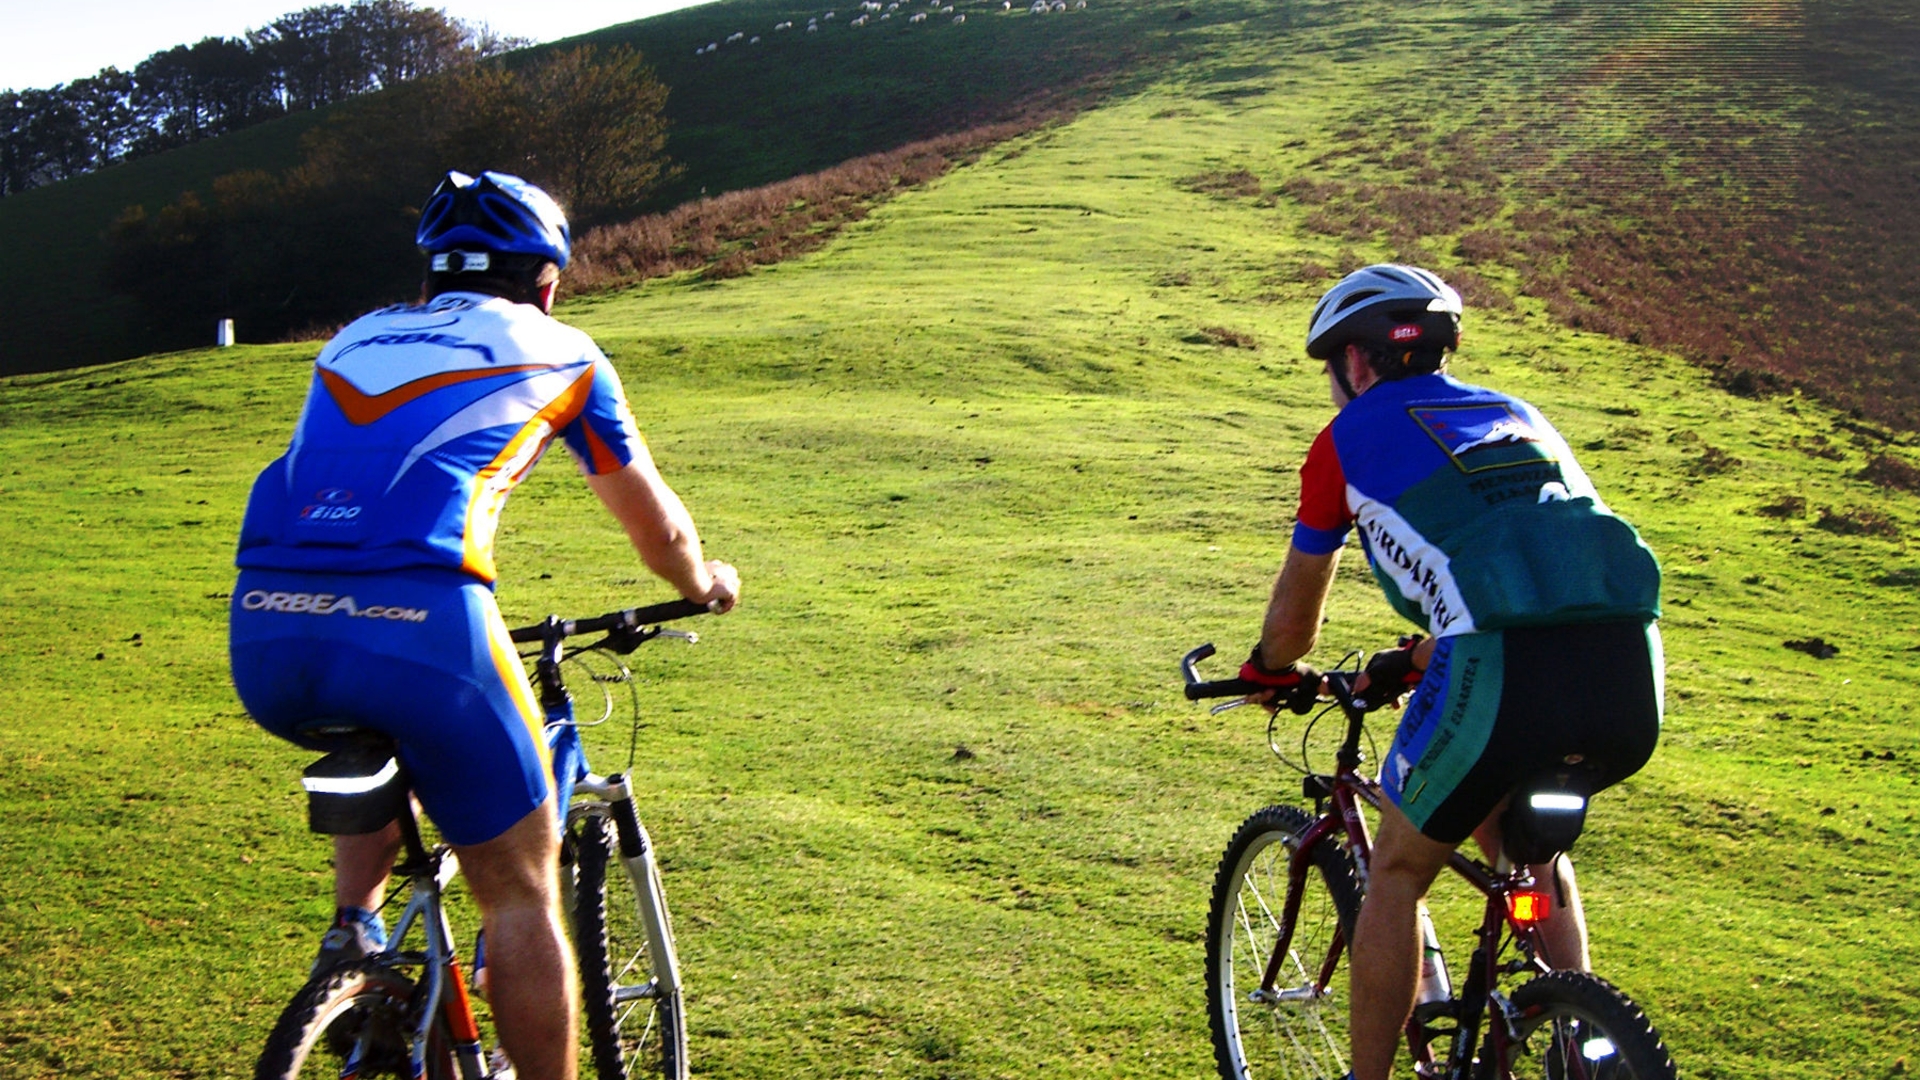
{"x":1198,"y":688}
{"x":630,"y":619}
{"x":1338,"y":685}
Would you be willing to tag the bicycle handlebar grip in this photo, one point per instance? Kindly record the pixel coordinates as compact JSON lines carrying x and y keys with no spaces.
{"x":672,"y":609}
{"x":1223,"y":688}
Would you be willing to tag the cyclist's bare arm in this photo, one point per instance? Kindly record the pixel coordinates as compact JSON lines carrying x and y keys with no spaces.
{"x":663,"y":533}
{"x":1293,"y":614}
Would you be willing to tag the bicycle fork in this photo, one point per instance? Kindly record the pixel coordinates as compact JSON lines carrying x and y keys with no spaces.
{"x":643,"y":870}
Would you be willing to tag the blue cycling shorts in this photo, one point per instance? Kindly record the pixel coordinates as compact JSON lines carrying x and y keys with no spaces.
{"x":422,"y":656}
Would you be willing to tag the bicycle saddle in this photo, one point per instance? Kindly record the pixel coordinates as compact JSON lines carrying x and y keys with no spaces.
{"x":359,"y":786}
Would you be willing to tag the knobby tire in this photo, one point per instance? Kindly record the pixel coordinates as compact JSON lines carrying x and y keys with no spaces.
{"x":1577,"y":1026}
{"x":639,"y":1039}
{"x":1304,"y":1038}
{"x":320,"y":1028}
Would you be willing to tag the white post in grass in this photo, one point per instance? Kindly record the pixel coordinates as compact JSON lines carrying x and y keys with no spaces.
{"x":223,"y":333}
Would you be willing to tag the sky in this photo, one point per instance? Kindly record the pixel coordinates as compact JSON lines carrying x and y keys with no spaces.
{"x":43,"y":42}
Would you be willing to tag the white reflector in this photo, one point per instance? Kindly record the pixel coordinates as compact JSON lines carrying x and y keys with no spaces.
{"x":1596,"y":1048}
{"x":350,"y":785}
{"x":1556,"y":800}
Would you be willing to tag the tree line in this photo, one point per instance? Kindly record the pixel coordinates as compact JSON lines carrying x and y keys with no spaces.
{"x":333,"y":236}
{"x":306,"y":59}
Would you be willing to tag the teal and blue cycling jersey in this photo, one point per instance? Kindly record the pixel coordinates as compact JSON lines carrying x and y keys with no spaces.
{"x":420,"y":420}
{"x":1472,"y":511}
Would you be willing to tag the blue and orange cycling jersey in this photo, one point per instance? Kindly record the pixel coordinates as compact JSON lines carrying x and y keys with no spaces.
{"x":420,"y":421}
{"x":1472,"y":511}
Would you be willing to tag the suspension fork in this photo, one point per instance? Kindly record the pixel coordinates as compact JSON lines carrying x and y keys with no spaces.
{"x":643,"y":870}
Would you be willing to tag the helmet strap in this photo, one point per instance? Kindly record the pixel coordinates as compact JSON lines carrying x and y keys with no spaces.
{"x":1337,"y":367}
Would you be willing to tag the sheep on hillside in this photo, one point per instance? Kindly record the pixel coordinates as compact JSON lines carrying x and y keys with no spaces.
{"x":860,"y":21}
{"x":754,"y":40}
{"x":958,"y":19}
{"x":737,"y":35}
{"x":921,"y":17}
{"x":788,"y":25}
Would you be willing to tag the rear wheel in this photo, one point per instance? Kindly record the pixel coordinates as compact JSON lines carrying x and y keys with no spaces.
{"x":1299,"y":1028}
{"x":354,"y":1020}
{"x":1576,"y":1026}
{"x":634,"y":1029}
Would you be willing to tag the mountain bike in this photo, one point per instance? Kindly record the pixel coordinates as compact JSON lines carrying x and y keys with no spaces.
{"x":406,"y":1011}
{"x":1286,"y":897}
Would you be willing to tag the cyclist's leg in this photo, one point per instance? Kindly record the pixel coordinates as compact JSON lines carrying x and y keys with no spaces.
{"x":1386,"y":945}
{"x":1429,"y":810}
{"x":361,"y":863}
{"x":515,"y":880}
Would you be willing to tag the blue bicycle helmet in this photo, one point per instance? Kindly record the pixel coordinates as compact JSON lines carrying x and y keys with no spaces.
{"x":496,"y":213}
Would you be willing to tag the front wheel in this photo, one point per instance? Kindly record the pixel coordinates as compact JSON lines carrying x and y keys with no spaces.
{"x":635,"y":1028}
{"x":1298,"y":1027}
{"x":354,"y":1020}
{"x":1576,"y":1026}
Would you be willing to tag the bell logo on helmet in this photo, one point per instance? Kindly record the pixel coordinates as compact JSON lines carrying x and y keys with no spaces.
{"x":1400,"y":335}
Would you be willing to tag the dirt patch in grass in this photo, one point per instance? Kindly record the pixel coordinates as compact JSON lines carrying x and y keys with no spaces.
{"x":1891,"y":472}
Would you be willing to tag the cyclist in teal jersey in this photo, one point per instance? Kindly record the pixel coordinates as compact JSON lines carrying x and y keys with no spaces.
{"x":1482,"y":529}
{"x":365,"y":594}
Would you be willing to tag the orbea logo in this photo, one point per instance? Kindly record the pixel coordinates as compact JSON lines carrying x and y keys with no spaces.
{"x":300,"y":603}
{"x":1406,"y":333}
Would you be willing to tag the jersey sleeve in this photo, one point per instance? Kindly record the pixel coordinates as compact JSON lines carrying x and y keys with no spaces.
{"x":604,"y":437}
{"x":1323,"y":521}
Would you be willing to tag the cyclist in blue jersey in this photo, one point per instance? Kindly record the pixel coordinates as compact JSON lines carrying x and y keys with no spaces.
{"x":365,"y":593}
{"x":1480,"y":528}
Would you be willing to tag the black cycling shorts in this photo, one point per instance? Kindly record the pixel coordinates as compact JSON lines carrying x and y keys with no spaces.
{"x":1497,"y":707}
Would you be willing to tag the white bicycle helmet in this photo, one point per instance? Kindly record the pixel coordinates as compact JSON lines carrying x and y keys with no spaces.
{"x":1388,"y":307}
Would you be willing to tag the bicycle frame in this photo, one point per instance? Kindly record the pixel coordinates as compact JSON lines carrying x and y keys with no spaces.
{"x":442,"y":987}
{"x":1338,"y":800}
{"x":1344,"y":793}
{"x":442,"y":984}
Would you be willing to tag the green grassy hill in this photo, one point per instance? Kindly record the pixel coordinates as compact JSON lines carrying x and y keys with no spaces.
{"x":988,"y":468}
{"x":743,"y":116}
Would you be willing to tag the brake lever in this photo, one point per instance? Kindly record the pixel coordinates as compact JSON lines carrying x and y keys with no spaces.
{"x":1216,"y":710}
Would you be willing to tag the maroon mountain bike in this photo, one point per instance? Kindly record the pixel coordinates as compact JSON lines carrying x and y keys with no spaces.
{"x":1288,"y":891}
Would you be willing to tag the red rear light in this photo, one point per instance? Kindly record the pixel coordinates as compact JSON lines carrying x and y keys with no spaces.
{"x":1527,"y":907}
